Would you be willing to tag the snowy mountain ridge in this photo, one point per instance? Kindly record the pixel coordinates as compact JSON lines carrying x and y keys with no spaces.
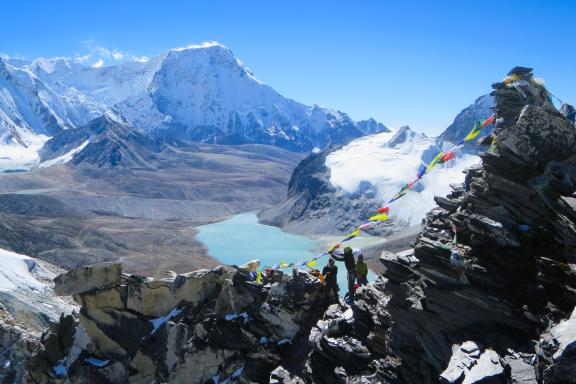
{"x":200,"y":92}
{"x":388,"y":161}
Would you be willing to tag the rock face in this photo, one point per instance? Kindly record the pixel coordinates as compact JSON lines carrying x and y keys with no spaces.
{"x":86,"y":279}
{"x":488,"y":293}
{"x":208,"y":325}
{"x":105,"y":141}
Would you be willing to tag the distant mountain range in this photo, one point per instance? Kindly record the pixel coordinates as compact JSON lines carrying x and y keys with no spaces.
{"x":201,"y":93}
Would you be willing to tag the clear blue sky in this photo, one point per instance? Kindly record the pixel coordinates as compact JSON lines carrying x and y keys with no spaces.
{"x":413,"y":62}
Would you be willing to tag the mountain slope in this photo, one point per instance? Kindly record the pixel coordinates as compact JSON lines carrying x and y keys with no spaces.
{"x":208,"y":95}
{"x":105,"y":141}
{"x":482,"y":108}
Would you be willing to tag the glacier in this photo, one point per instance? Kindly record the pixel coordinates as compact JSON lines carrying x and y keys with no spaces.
{"x":390,"y":160}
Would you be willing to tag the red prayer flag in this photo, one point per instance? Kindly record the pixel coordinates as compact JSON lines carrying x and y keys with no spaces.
{"x":448,"y":156}
{"x":384,"y":210}
{"x":490,"y":120}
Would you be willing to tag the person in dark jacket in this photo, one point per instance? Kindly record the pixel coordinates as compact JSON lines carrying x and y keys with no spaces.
{"x":330,"y":273}
{"x":350,"y":263}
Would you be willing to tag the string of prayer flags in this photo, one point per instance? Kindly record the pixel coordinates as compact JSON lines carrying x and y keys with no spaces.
{"x":352,"y":235}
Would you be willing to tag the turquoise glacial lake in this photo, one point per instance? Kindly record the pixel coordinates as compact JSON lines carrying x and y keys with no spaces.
{"x":242,"y":238}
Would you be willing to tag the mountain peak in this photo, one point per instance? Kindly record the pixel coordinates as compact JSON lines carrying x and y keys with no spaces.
{"x":205,"y":45}
{"x":401,"y":136}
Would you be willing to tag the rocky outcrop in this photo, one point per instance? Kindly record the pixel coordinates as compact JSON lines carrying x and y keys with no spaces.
{"x":207,"y":325}
{"x":488,"y":292}
{"x":86,"y":279}
{"x":17,"y":345}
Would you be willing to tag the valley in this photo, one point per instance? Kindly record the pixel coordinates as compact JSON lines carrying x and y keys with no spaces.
{"x":146,"y":218}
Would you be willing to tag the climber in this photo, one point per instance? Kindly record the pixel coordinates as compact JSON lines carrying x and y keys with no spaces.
{"x":349,"y":262}
{"x":330,"y":273}
{"x":361,"y":270}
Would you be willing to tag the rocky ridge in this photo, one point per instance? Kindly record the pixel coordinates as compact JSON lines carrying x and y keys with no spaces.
{"x":204,"y":326}
{"x":488,"y":293}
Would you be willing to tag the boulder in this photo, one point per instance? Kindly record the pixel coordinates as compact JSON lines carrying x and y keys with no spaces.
{"x":470,"y":365}
{"x":86,"y":279}
{"x":155,"y":298}
{"x":558,"y":348}
{"x":281,"y":376}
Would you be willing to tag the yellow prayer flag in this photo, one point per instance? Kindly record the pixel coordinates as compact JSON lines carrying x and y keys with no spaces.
{"x":310,"y":264}
{"x":434,"y":161}
{"x":258,"y":277}
{"x":474,"y":132}
{"x":333,"y":247}
{"x":380,"y":217}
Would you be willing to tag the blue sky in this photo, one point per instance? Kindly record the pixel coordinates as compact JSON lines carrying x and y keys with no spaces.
{"x":402,"y":62}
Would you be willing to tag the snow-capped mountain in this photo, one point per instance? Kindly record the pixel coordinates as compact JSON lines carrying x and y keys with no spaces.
{"x":388,"y":161}
{"x":105,"y":141}
{"x":206,"y":94}
{"x":203,"y":93}
{"x":349,"y":183}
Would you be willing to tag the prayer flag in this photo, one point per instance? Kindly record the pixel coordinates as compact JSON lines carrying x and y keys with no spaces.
{"x":490,"y":120}
{"x":434,"y":161}
{"x":380,"y":217}
{"x":421,"y":171}
{"x":352,"y":235}
{"x":335,"y":246}
{"x":475,"y":131}
{"x":448,"y":156}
